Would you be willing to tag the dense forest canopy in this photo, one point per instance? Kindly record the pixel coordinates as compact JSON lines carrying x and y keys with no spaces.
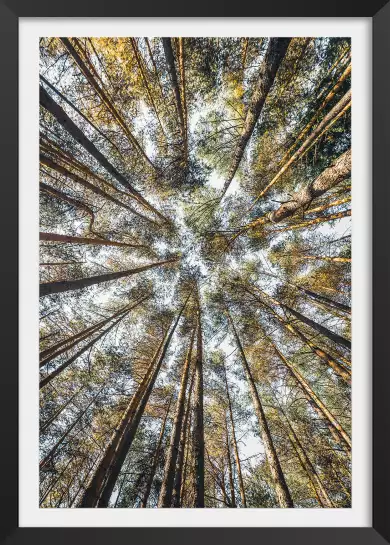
{"x":195,"y":272}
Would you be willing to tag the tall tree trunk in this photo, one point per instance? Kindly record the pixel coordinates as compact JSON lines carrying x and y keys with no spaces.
{"x":198,"y":432}
{"x":106,"y":100}
{"x":54,"y":237}
{"x":130,"y":431}
{"x":54,"y":449}
{"x":315,"y":481}
{"x":314,"y":221}
{"x":54,"y":351}
{"x":91,"y":494}
{"x":50,"y":420}
{"x":47,"y":161}
{"x":169,"y":57}
{"x":80,"y":113}
{"x":275,"y":53}
{"x":48,"y":288}
{"x":177,"y":498}
{"x":183,"y":94}
{"x":63,"y":119}
{"x":138,"y":58}
{"x":337,"y":367}
{"x":48,"y":378}
{"x":338,"y":339}
{"x":149,"y":482}
{"x":165,"y":499}
{"x":90,"y":329}
{"x":230,"y":468}
{"x":341,"y":435}
{"x":329,"y":178}
{"x":330,"y":118}
{"x":235,"y":444}
{"x":281,"y":488}
{"x":59,"y":195}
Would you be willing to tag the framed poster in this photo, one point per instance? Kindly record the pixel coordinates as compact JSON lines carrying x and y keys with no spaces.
{"x":196,"y":277}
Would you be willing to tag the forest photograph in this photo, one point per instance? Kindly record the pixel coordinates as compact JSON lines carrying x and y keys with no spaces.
{"x":195,"y":272}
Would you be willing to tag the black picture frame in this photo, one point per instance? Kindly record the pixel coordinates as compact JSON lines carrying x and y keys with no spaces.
{"x":10,"y":12}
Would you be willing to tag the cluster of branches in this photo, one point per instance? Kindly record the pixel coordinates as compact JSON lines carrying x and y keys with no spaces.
{"x":193,"y":352}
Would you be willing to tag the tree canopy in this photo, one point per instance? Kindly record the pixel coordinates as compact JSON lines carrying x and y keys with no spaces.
{"x":195,"y":269}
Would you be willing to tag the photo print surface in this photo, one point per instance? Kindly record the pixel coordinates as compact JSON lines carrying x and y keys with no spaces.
{"x":195,"y":272}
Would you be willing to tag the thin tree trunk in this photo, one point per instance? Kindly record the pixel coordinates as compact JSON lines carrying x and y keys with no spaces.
{"x":54,"y":449}
{"x":177,"y":498}
{"x":47,"y":161}
{"x":48,"y":288}
{"x":50,"y":420}
{"x":55,"y":237}
{"x":63,"y":366}
{"x":130,"y":431}
{"x":315,"y":481}
{"x":281,"y":488}
{"x":337,"y":367}
{"x":73,"y":202}
{"x":166,"y":492}
{"x":59,"y":114}
{"x":167,"y":43}
{"x":59,"y":349}
{"x":145,"y":80}
{"x":82,"y":333}
{"x":235,"y":445}
{"x":91,"y":494}
{"x":341,"y":434}
{"x":198,"y":432}
{"x":106,"y":100}
{"x":230,"y":469}
{"x":275,"y":53}
{"x":330,"y":118}
{"x":315,"y":221}
{"x":149,"y":482}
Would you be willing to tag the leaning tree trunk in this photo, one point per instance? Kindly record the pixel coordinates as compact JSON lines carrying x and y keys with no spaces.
{"x":169,"y":57}
{"x":198,"y":432}
{"x":338,"y":432}
{"x":48,"y":288}
{"x":106,"y":100}
{"x":235,"y":445}
{"x":63,"y":366}
{"x":329,"y":178}
{"x":129,"y":432}
{"x":149,"y":482}
{"x":63,"y":119}
{"x":54,"y":237}
{"x":48,"y":162}
{"x":275,"y":53}
{"x":91,"y":494}
{"x":230,"y":468}
{"x":165,"y":499}
{"x":55,"y":351}
{"x":182,"y":449}
{"x":281,"y":488}
{"x":337,"y":367}
{"x":54,"y":449}
{"x":315,"y":481}
{"x":330,"y":118}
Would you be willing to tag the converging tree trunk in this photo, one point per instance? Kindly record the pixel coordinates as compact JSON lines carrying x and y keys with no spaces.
{"x":166,"y":492}
{"x":275,"y":53}
{"x":281,"y":488}
{"x":198,"y":431}
{"x":48,"y":288}
{"x":149,"y":482}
